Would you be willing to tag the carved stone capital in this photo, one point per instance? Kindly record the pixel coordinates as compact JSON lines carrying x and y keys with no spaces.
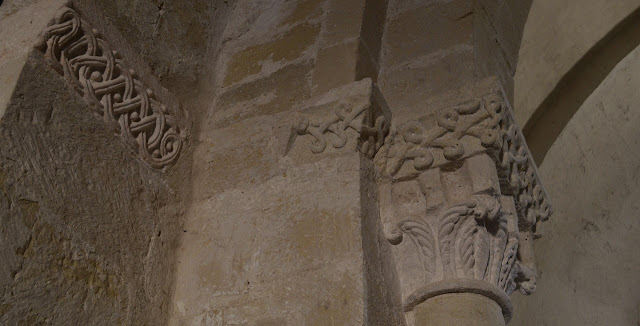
{"x":461,"y":202}
{"x":94,"y":68}
{"x":460,"y":196}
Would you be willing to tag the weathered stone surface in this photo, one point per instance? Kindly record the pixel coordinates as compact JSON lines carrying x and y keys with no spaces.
{"x":174,"y":38}
{"x":588,"y":265}
{"x":335,"y":66}
{"x":304,"y":10}
{"x":408,"y":86}
{"x":85,"y":225}
{"x":344,"y":21}
{"x":23,"y":28}
{"x":276,"y":244}
{"x":286,"y":47}
{"x":273,"y":94}
{"x":424,"y":31}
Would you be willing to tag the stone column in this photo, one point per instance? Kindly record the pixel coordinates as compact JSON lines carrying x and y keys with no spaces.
{"x":459,"y":309}
{"x":461,"y":202}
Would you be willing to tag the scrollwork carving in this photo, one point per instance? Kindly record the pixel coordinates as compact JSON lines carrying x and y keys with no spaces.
{"x":95,"y":69}
{"x":418,"y":144}
{"x":371,"y":128}
{"x":479,"y":152}
{"x":479,"y":125}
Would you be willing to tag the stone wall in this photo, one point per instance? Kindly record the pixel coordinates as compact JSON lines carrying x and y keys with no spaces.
{"x":433,"y":50}
{"x":588,"y":266}
{"x":275,"y":237}
{"x":85,"y":226}
{"x":89,"y":224}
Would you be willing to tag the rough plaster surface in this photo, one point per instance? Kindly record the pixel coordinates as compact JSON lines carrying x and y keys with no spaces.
{"x":588,"y":267}
{"x":556,"y":36}
{"x":86,"y":228}
{"x":21,"y":23}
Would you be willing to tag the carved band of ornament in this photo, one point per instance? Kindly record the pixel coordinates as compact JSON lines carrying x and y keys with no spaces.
{"x":372,"y":129}
{"x":464,"y":130}
{"x":98,"y":73}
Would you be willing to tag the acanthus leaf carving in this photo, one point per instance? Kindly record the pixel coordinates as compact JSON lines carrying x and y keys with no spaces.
{"x":477,"y":240}
{"x":471,"y":238}
{"x":422,"y":237}
{"x":97,"y":72}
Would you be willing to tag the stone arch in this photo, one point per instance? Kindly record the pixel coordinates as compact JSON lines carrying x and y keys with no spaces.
{"x":577,"y":98}
{"x":543,"y":116}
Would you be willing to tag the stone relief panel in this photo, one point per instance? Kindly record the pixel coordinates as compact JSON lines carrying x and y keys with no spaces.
{"x":97,"y":72}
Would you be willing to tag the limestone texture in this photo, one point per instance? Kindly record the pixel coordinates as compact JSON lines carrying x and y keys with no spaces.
{"x":593,"y":279}
{"x":315,"y":162}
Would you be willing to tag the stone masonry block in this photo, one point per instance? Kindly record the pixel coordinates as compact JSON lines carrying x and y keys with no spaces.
{"x":278,"y":92}
{"x":424,"y":31}
{"x":482,"y":172}
{"x":286,"y":47}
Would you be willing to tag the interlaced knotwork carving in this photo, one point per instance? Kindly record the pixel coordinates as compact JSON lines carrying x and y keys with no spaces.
{"x":98,"y":73}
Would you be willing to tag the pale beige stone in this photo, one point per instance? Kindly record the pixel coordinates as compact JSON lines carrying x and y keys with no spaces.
{"x":458,"y":309}
{"x":557,"y":35}
{"x":335,"y":66}
{"x":344,"y":163}
{"x":589,"y":267}
{"x":23,"y":27}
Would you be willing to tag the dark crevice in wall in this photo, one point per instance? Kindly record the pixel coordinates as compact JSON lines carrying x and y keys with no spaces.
{"x":498,"y":30}
{"x":551,"y":117}
{"x":369,"y":48}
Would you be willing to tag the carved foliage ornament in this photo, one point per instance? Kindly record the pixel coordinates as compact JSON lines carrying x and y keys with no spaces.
{"x":475,"y":239}
{"x":464,"y":130}
{"x":97,"y":72}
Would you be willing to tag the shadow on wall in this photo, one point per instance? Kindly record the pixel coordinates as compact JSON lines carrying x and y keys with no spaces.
{"x":583,"y":78}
